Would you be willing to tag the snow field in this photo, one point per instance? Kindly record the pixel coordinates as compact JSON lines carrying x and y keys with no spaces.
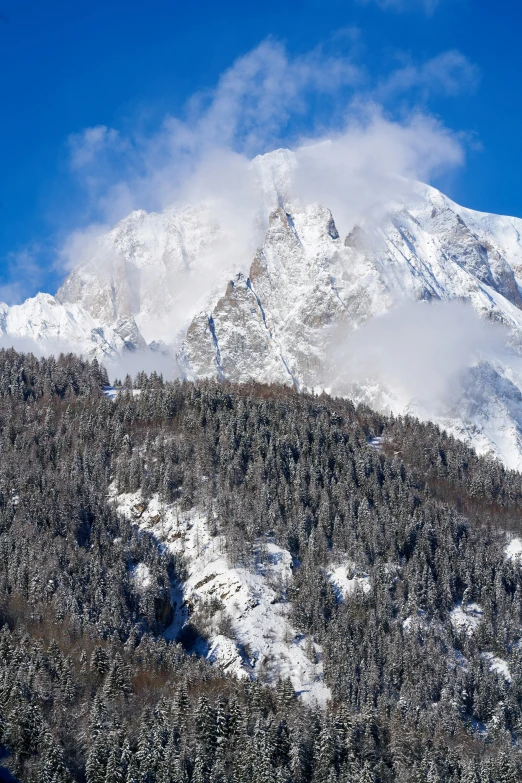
{"x":514,"y":550}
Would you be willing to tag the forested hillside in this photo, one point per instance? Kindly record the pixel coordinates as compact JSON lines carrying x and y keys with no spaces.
{"x":424,"y":665}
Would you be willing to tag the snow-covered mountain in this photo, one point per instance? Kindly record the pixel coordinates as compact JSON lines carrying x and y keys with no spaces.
{"x":43,"y":321}
{"x":152,"y":280}
{"x":144,"y":268}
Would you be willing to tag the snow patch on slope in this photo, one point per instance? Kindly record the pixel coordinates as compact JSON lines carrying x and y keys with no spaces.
{"x":420,"y":620}
{"x":43,"y":325}
{"x":514,"y":550}
{"x":466,"y":617}
{"x":141,"y":574}
{"x":345,"y":581}
{"x":497,"y":665}
{"x":244,"y":610}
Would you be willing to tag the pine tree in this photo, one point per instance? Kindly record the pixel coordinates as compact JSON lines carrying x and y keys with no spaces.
{"x":96,"y":766}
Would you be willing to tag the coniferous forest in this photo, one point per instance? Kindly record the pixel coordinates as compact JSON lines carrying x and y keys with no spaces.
{"x":90,"y":690}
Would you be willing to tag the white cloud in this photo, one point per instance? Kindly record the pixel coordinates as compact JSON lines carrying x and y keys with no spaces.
{"x":256,"y":97}
{"x":82,"y":246}
{"x":132,"y":363}
{"x":373,"y":162}
{"x":419,"y":351}
{"x":90,"y":143}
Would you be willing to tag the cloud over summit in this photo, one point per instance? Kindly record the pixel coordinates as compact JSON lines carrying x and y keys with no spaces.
{"x":353,"y":155}
{"x":266,"y":99}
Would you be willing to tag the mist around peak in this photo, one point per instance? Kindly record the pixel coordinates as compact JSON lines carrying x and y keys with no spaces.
{"x":417,"y":354}
{"x":356,"y":158}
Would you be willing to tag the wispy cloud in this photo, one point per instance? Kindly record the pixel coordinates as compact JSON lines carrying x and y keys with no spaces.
{"x":373,"y":162}
{"x":449,"y":73}
{"x":257,"y":105}
{"x":418,"y":352}
{"x":257,"y":96}
{"x":88,"y":145}
{"x":247,"y":112}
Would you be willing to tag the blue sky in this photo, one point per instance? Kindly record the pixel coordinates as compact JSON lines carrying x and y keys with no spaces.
{"x":91,"y":92}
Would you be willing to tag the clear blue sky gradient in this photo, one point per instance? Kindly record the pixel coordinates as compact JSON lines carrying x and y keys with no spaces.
{"x":69,"y":65}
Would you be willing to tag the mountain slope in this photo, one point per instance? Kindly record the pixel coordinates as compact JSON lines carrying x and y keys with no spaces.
{"x":167,"y":553}
{"x":130,"y":272}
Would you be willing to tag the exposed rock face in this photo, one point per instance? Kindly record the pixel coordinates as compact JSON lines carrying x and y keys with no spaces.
{"x":271,"y":326}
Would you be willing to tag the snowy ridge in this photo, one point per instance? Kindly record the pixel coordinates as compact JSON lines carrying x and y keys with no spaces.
{"x":43,"y":323}
{"x":244,"y":612}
